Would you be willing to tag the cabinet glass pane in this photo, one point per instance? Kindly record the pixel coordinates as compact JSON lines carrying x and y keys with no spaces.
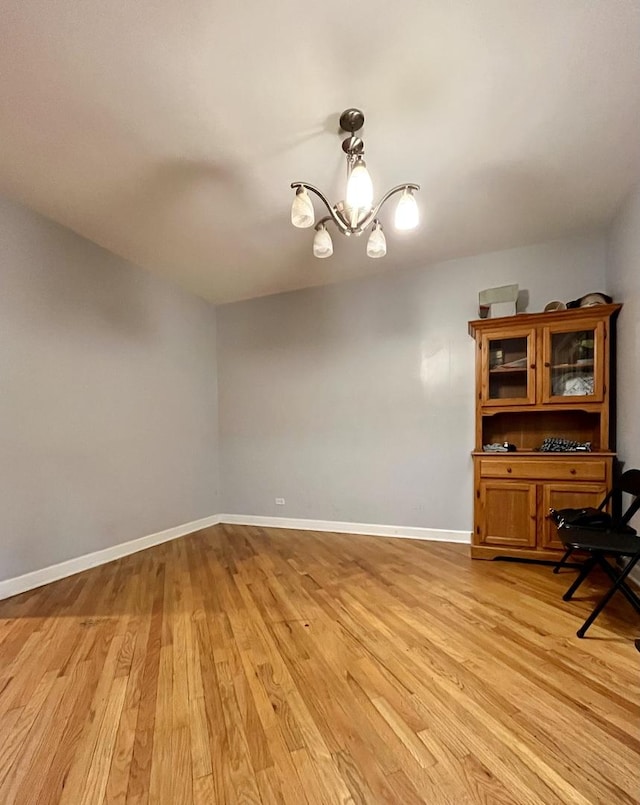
{"x":508,"y":361}
{"x":572,"y":364}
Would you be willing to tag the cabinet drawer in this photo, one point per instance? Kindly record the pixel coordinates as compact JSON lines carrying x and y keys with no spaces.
{"x":534,"y":469}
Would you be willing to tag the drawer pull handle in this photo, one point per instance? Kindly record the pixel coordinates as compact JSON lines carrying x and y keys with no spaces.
{"x":509,"y":469}
{"x":572,"y":471}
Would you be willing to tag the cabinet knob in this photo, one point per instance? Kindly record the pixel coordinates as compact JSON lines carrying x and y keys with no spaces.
{"x":509,"y":469}
{"x":547,"y":364}
{"x":532,"y":366}
{"x":572,"y":471}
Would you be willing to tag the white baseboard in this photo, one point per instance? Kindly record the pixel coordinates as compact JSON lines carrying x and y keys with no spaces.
{"x":37,"y":578}
{"x":368,"y":529}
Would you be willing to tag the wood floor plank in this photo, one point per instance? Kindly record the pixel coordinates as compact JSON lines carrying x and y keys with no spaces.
{"x":17,"y":736}
{"x":140,"y":768}
{"x":254,"y":665}
{"x":161,"y":769}
{"x":140,"y":625}
{"x":95,"y":783}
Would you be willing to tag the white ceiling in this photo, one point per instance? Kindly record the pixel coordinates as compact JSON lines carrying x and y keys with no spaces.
{"x":169,"y":131}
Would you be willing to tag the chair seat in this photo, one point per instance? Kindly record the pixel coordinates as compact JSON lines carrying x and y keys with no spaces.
{"x":610,"y":542}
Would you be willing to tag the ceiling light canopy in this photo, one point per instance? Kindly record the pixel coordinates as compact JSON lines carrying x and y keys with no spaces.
{"x":357,"y":212}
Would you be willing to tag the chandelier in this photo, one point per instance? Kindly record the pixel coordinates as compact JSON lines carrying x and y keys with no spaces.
{"x":357,"y":212}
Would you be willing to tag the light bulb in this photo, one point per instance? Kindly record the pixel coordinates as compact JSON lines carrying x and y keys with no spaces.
{"x":302,"y":214}
{"x":377,"y":243}
{"x":322,"y":243}
{"x":359,"y":187}
{"x":407,"y":211}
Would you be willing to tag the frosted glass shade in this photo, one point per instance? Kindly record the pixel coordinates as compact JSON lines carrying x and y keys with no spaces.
{"x":407,"y":216}
{"x":359,"y":187}
{"x":322,"y":244}
{"x":377,"y":243}
{"x":302,"y":214}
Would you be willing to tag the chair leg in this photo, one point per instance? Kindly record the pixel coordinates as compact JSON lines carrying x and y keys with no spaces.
{"x":586,"y":568}
{"x":629,"y":594}
{"x":607,"y":596}
{"x":567,"y":554}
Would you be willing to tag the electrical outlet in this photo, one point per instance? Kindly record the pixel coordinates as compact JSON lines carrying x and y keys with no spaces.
{"x":279,"y":501}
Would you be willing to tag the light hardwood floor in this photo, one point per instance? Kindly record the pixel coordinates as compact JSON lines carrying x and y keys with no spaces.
{"x":249,"y":665}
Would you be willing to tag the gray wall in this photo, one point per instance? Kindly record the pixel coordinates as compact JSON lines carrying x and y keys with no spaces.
{"x":355,"y":402}
{"x":623,"y":272}
{"x":108,"y":420}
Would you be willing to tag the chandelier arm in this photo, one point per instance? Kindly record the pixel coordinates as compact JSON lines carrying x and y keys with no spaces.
{"x":374,"y":212}
{"x":323,"y":221}
{"x":322,"y":198}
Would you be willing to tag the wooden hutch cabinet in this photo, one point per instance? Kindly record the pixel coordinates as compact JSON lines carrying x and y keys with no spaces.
{"x":539,"y":376}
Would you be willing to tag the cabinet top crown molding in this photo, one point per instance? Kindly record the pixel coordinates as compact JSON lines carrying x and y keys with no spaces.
{"x":574,"y":314}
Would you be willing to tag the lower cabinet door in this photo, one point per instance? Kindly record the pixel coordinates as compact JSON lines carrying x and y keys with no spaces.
{"x":508,"y":514}
{"x":565,"y":496}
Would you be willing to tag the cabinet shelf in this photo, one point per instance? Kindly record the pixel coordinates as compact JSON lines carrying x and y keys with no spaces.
{"x":507,"y":370}
{"x":551,"y":455}
{"x":583,"y":365}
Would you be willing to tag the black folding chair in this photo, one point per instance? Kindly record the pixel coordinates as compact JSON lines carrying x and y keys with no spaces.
{"x":602,"y":547}
{"x":628,"y":482}
{"x":619,"y":545}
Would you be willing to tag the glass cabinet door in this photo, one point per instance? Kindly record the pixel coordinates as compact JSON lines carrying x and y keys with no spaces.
{"x":508,"y":368}
{"x":573,"y":364}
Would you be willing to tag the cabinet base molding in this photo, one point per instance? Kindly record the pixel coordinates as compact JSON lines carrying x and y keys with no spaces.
{"x":491,"y":552}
